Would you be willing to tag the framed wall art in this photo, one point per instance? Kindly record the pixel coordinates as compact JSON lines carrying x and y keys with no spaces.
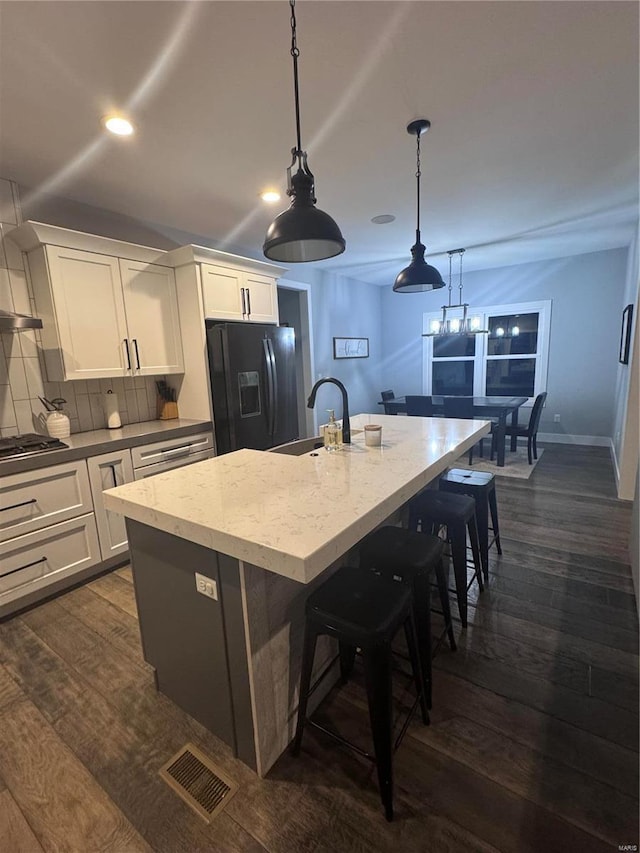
{"x":625,"y":334}
{"x":351,"y":347}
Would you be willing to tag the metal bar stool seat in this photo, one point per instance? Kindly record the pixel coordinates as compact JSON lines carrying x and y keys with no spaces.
{"x":412,"y":558}
{"x":429,"y":511}
{"x":361,"y":609}
{"x":480,"y":485}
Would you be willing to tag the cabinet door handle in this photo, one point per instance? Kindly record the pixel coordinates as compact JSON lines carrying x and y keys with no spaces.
{"x":135,"y":346}
{"x":248,"y":302}
{"x":113,"y":474}
{"x":15,"y":506}
{"x":27,"y":566}
{"x":244,"y":304}
{"x":126,"y":346}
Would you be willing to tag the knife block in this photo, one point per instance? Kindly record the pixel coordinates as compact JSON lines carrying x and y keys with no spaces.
{"x":166,"y":410}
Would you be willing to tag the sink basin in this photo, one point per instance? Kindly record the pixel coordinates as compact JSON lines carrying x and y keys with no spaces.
{"x":299,"y":447}
{"x":303,"y":445}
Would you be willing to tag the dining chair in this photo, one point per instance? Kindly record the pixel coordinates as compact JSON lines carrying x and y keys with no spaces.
{"x":419,"y":406}
{"x":530,"y":431}
{"x":386,"y":396}
{"x":461,"y":407}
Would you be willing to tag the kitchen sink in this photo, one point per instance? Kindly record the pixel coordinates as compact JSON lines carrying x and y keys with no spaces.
{"x":303,"y":445}
{"x":299,"y":447}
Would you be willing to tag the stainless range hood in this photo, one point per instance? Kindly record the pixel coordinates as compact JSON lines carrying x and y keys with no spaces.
{"x":10,"y":322}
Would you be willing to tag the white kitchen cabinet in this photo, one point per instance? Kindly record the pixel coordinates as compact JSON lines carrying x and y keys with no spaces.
{"x":107,"y":310}
{"x":46,"y":496}
{"x":106,"y":472}
{"x":32,"y":562}
{"x":53,"y":522}
{"x":153,"y":323}
{"x":47,"y":529}
{"x":235,"y":294}
{"x":79,"y":298}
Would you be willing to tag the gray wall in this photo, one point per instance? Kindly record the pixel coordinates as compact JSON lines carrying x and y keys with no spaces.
{"x":343,"y":307}
{"x":587,"y":292}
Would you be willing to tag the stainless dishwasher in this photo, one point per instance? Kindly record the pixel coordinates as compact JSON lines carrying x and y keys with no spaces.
{"x":152,"y":459}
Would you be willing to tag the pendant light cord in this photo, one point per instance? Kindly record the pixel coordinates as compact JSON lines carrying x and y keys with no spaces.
{"x":295,"y":53}
{"x":418,"y":174}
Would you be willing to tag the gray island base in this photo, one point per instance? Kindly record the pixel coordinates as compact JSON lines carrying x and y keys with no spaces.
{"x":262,"y":530}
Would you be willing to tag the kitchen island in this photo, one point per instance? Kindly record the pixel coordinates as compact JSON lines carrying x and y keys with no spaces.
{"x":225,"y":552}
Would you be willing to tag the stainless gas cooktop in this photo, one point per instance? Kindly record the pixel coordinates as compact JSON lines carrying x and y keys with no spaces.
{"x":19,"y":446}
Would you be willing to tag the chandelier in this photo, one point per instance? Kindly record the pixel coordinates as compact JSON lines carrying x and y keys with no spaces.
{"x":456,"y":319}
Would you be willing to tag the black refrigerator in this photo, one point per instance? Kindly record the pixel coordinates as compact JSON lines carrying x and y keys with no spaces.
{"x":253,"y":385}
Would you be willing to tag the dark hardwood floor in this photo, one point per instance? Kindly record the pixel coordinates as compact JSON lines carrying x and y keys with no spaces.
{"x":533,"y":744}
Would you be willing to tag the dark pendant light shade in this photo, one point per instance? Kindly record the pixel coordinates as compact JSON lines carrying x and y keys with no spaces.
{"x":419,"y":275}
{"x":303,"y":232}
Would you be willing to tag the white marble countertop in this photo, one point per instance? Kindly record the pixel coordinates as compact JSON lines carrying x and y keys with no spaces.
{"x":296,"y":515}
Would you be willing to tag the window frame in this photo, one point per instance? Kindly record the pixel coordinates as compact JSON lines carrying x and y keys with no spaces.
{"x":541,"y":356}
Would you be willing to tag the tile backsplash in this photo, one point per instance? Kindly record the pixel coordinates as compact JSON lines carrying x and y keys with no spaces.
{"x":22,"y":372}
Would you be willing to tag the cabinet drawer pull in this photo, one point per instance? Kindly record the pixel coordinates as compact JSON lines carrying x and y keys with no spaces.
{"x":15,"y":506}
{"x":248,"y":302}
{"x":126,"y":346}
{"x":184,"y":448}
{"x":135,"y":346}
{"x":22,"y":568}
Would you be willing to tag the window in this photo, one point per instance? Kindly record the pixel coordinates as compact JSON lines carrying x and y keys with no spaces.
{"x":511,"y":361}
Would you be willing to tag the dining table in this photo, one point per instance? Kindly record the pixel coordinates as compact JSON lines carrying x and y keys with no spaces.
{"x":498,"y":408}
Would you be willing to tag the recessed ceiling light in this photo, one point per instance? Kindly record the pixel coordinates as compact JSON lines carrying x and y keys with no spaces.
{"x":118,"y":125}
{"x":383,"y":218}
{"x":270,"y":196}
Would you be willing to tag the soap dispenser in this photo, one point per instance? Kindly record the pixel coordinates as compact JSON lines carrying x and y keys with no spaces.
{"x":331,"y":432}
{"x":58,"y":423}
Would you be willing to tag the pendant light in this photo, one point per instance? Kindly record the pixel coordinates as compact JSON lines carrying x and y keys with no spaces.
{"x":448,"y":325}
{"x":418,"y":275}
{"x":302,"y":233}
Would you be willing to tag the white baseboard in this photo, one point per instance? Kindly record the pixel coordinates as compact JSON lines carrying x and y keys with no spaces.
{"x":593,"y":440}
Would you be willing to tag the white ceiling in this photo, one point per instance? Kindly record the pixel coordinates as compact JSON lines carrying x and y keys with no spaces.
{"x":532,"y":153}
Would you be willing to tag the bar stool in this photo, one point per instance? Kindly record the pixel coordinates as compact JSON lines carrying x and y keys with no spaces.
{"x":480,"y":485}
{"x":431,"y":509}
{"x":361,"y":609}
{"x":410,"y":558}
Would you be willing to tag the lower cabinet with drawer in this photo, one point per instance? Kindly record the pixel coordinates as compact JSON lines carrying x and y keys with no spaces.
{"x":54,"y":527}
{"x":38,"y":498}
{"x":34,"y":561}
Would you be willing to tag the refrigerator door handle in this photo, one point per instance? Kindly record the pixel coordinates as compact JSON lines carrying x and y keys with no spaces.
{"x":274,"y":371}
{"x":271,"y":402}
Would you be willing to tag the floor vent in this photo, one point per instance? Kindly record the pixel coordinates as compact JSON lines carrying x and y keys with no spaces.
{"x":198,"y":782}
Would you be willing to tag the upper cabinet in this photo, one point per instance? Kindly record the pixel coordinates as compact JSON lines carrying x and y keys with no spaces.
{"x":233,"y":288}
{"x":151,"y":307}
{"x":232,"y":294}
{"x":103,"y":314}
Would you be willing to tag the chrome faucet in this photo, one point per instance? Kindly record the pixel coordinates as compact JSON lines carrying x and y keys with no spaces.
{"x":346,"y":426}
